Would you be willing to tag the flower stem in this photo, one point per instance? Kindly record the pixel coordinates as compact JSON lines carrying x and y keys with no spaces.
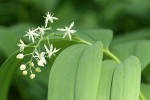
{"x":35,"y":48}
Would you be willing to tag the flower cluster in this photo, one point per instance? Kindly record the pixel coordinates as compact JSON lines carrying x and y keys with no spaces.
{"x":38,"y":57}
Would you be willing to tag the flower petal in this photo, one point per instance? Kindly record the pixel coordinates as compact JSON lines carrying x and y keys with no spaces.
{"x":71,"y":25}
{"x":61,"y":29}
{"x":69,"y":36}
{"x":46,"y":48}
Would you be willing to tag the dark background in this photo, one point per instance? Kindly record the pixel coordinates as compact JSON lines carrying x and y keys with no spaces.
{"x":119,"y":15}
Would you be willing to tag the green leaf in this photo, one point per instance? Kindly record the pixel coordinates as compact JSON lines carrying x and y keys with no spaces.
{"x":7,"y":72}
{"x":141,"y":49}
{"x":103,"y":35}
{"x":88,"y":73}
{"x":78,"y":75}
{"x":130,"y":36}
{"x":126,"y":80}
{"x":117,"y":84}
{"x":62,"y":75}
{"x":108,"y":67}
{"x":131,"y":78}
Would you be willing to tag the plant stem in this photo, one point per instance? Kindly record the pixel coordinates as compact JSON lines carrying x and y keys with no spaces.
{"x":106,"y":51}
{"x":35,"y":49}
{"x":110,"y":54}
{"x":83,"y":41}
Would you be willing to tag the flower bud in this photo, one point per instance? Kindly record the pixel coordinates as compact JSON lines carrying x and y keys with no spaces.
{"x":32,"y":76}
{"x":20,"y":56}
{"x":23,"y":67}
{"x":37,"y":69}
{"x":31,"y":64}
{"x":24,"y":72}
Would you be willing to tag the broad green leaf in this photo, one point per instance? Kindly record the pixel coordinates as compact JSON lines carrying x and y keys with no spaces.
{"x":103,"y":35}
{"x":63,"y":73}
{"x":130,"y":36}
{"x":10,"y":66}
{"x":141,"y":49}
{"x":131,"y":78}
{"x":108,"y":67}
{"x":145,"y":88}
{"x":88,"y":73}
{"x":77,"y":76}
{"x":126,"y":80}
{"x":7,"y":72}
{"x":116,"y":92}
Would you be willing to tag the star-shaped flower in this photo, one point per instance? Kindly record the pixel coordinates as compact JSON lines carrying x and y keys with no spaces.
{"x":41,"y":58}
{"x":49,"y":17}
{"x":51,"y":51}
{"x":21,"y":45}
{"x":32,"y":34}
{"x":42,"y":30}
{"x":68,"y":31}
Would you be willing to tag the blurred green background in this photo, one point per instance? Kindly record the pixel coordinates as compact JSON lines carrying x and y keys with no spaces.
{"x":16,"y":16}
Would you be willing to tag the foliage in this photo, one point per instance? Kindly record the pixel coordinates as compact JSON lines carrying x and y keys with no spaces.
{"x":113,"y":65}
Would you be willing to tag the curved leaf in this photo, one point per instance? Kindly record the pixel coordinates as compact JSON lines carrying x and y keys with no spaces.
{"x":108,"y":67}
{"x":126,"y":80}
{"x":63,"y":72}
{"x":117,"y":83}
{"x":130,"y":36}
{"x":88,"y":73}
{"x":7,"y":71}
{"x":131,"y":78}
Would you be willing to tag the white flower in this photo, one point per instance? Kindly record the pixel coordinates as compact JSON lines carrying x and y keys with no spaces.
{"x":41,"y":63}
{"x":49,"y":17}
{"x":32,"y":34}
{"x":20,"y":56}
{"x":24,"y":72}
{"x":32,"y":76}
{"x":23,"y":67}
{"x":68,"y":31}
{"x":42,"y":30}
{"x":51,"y":51}
{"x":22,"y":45}
{"x":41,"y":58}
